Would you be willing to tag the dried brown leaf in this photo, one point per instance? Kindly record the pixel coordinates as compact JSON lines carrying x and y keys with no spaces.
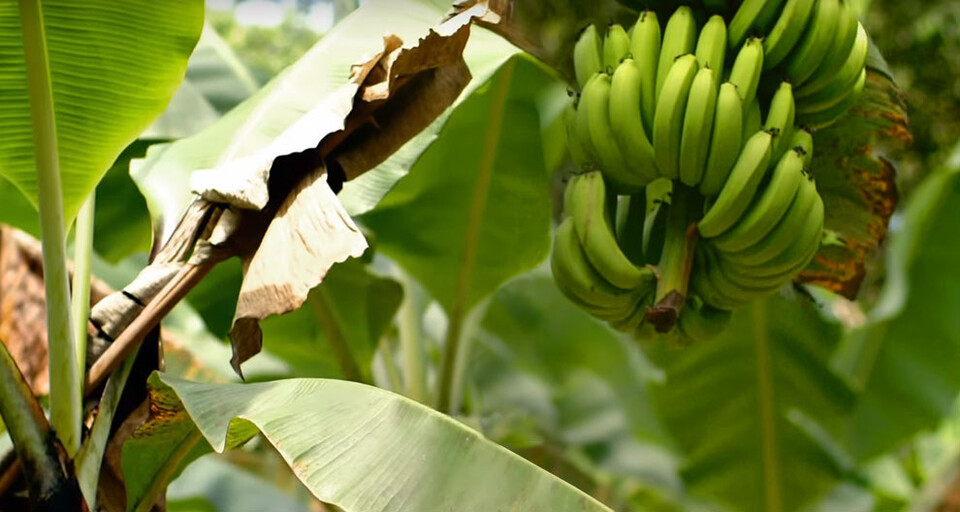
{"x":23,"y":308}
{"x":309,"y":233}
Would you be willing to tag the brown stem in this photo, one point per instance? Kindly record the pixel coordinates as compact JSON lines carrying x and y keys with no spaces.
{"x":156,"y":310}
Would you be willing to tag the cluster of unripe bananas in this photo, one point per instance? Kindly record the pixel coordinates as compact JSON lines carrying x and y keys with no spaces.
{"x":729,"y":147}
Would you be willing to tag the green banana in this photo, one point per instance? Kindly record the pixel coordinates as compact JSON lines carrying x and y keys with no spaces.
{"x":655,"y":224}
{"x":843,"y":43}
{"x":780,"y":119}
{"x":815,"y":44}
{"x":803,"y":241}
{"x":752,"y":119}
{"x":679,"y":38}
{"x":803,"y":140}
{"x":712,"y":45}
{"x":768,"y":15}
{"x":769,"y":206}
{"x":744,"y":21}
{"x":627,"y":123}
{"x":580,"y":282}
{"x":835,"y":85}
{"x":697,"y":126}
{"x":631,"y":218}
{"x":593,"y":127}
{"x":784,"y":232}
{"x":645,"y":47}
{"x":702,"y":286}
{"x":747,"y":69}
{"x":746,"y":279}
{"x":635,"y":319}
{"x":742,"y":284}
{"x":785,"y":34}
{"x":574,"y":145}
{"x":740,"y":187}
{"x":616,"y":46}
{"x":725,"y":140}
{"x":587,"y":204}
{"x":741,"y":290}
{"x":725,"y":293}
{"x":668,"y":120}
{"x":828,"y":116}
{"x":587,"y":55}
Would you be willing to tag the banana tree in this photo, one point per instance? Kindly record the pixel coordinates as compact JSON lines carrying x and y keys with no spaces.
{"x":369,"y":229}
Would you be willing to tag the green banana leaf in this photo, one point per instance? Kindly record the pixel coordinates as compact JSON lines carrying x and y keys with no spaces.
{"x":475,"y":208}
{"x":122,"y":223}
{"x":113,"y":66}
{"x":906,"y":358}
{"x":17,"y":210}
{"x":755,"y":409}
{"x":362,"y":448}
{"x":215,"y":79}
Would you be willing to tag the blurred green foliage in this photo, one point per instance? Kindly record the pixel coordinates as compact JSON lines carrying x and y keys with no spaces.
{"x":266,"y":51}
{"x":921,"y":42}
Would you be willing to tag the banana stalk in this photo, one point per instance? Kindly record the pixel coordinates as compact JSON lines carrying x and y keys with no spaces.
{"x":676,"y":260}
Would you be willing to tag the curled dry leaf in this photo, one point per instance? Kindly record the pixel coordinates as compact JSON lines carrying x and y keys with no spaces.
{"x":398,"y":94}
{"x":276,"y":208}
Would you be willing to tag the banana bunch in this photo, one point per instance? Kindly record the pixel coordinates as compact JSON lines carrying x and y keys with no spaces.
{"x":661,"y":104}
{"x":818,"y":45}
{"x":588,"y":263}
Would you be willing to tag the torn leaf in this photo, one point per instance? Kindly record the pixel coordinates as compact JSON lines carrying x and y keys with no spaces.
{"x":309,"y":234}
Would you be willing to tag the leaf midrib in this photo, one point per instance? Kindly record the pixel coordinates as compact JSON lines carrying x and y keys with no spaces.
{"x":459,"y":305}
{"x":771,"y":477}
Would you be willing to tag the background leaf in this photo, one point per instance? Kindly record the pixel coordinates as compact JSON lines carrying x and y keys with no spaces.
{"x":218,"y":74}
{"x":742,"y":405}
{"x":474,"y":209}
{"x":906,"y":358}
{"x":134,"y":56}
{"x":341,"y":324}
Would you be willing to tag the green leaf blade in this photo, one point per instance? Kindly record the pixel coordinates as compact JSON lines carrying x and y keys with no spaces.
{"x":347,"y":443}
{"x":113,"y":67}
{"x":474,"y":210}
{"x":732,"y":405}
